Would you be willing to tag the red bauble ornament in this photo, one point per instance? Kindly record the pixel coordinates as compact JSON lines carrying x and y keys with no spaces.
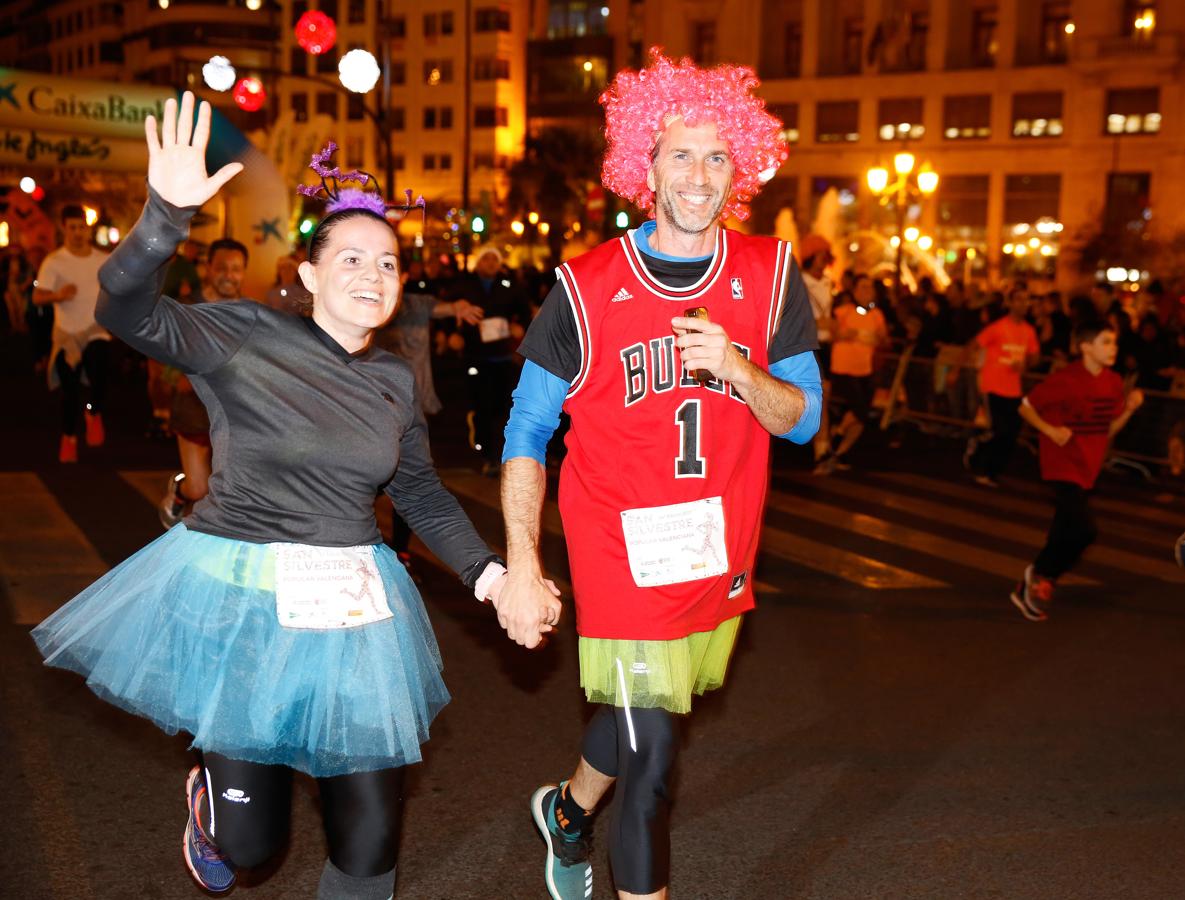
{"x":315,"y":32}
{"x":249,"y":94}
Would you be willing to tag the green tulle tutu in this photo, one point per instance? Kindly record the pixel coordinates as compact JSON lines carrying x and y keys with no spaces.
{"x":656,"y":674}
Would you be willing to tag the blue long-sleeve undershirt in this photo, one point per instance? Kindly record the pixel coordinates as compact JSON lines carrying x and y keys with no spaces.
{"x":539,"y":400}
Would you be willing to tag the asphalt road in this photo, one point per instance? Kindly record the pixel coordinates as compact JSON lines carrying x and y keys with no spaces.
{"x":890,"y":726}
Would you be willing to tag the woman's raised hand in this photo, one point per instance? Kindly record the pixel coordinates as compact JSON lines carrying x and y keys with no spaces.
{"x":177,"y":157}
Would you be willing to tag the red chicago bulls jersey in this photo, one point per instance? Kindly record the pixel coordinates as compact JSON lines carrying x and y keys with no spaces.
{"x":648,"y":443}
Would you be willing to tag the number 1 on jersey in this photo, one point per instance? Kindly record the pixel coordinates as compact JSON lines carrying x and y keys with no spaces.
{"x":689,"y":464}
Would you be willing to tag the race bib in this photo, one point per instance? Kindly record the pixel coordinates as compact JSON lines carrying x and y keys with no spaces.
{"x":322,"y":588}
{"x":493,"y":329}
{"x":676,"y":543}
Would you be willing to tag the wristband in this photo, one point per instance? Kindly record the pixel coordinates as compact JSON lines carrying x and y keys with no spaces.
{"x":493,"y":571}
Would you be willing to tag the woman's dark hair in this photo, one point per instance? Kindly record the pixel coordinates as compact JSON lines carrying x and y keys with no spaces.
{"x":320,"y":236}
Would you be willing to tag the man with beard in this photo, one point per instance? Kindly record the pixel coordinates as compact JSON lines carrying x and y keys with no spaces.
{"x":664,"y":483}
{"x":225,"y":267}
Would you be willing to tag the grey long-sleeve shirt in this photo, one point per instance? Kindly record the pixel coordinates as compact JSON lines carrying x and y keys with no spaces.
{"x":304,"y":433}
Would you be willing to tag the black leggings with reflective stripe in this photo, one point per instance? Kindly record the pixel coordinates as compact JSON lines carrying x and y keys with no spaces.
{"x":640,"y":819}
{"x":251,"y":805}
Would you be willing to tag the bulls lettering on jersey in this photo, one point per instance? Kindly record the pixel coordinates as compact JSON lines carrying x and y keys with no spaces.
{"x":647,"y":435}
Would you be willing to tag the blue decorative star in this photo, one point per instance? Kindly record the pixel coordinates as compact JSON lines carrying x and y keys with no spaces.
{"x":6,"y":93}
{"x":268,"y":228}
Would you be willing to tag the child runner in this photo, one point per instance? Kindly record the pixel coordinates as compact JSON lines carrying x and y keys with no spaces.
{"x":1077,"y":410}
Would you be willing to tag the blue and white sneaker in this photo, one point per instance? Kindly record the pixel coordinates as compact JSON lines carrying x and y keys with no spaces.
{"x":568,"y":871}
{"x":209,"y":868}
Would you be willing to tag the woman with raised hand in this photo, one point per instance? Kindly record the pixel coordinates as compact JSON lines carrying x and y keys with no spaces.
{"x":273,"y":624}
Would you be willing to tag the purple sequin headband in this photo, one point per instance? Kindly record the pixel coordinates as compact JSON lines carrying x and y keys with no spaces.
{"x":339,"y":198}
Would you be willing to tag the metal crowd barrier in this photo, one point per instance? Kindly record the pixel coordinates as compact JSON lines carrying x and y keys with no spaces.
{"x":940,"y":394}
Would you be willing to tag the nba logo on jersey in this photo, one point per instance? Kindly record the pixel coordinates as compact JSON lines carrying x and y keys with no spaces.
{"x":738,"y":290}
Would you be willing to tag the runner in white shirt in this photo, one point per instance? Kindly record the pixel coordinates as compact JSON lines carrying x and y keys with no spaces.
{"x":69,"y":279}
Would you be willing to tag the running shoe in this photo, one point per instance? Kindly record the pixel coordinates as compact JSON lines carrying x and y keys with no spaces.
{"x":209,"y":868}
{"x":171,"y":508}
{"x":568,"y":871}
{"x":986,"y":481}
{"x":68,"y":449}
{"x":1024,"y":599}
{"x":95,"y":433}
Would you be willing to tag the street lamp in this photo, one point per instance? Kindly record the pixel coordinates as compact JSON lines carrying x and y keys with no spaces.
{"x":906,"y":186}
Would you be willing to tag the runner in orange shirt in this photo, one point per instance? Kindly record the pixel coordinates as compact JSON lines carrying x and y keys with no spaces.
{"x":859,"y":329}
{"x":1008,"y":346}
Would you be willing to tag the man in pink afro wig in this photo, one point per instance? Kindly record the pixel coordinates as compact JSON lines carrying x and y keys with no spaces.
{"x":677,"y":350}
{"x":640,"y":106}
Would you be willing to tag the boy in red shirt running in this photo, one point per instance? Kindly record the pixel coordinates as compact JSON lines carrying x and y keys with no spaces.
{"x":1077,"y":410}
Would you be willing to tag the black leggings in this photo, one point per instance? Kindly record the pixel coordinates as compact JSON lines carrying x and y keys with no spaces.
{"x":640,"y":820}
{"x":94,"y":364}
{"x":251,"y":805}
{"x":991,"y":457}
{"x":1070,"y":533}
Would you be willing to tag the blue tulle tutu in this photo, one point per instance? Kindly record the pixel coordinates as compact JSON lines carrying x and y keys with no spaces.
{"x":185,"y":634}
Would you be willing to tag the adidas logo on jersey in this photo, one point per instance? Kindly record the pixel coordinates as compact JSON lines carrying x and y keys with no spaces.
{"x":622,"y":294}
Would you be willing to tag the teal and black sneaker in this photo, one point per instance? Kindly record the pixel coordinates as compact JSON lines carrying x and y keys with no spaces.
{"x":568,"y":871}
{"x":209,"y":868}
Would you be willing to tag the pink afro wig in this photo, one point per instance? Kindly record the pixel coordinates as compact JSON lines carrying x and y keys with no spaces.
{"x":638,"y":105}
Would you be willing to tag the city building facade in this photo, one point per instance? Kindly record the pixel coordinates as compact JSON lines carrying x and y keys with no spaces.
{"x":1051,"y":123}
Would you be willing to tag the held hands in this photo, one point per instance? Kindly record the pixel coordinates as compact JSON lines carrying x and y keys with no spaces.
{"x":705,"y":345}
{"x":177,"y":160}
{"x":68,"y":291}
{"x":528,"y":606}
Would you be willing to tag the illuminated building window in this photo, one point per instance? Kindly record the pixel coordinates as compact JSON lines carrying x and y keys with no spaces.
{"x":1139,"y":18}
{"x":967,"y":117}
{"x":1134,"y":111}
{"x":837,"y":121}
{"x":900,"y":119}
{"x":438,"y":71}
{"x":1037,"y":115}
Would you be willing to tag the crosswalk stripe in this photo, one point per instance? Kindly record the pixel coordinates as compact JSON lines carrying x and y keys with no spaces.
{"x":465,"y":483}
{"x":972,"y":557}
{"x":990,"y":498}
{"x":999,"y":528}
{"x":44,"y":556}
{"x":861,"y":570}
{"x":854,"y":567}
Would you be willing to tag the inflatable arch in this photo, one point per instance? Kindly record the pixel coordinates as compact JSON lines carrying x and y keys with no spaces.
{"x":49,"y":122}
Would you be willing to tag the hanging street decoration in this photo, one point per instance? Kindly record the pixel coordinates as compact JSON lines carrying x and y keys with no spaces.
{"x":315,"y":32}
{"x":249,"y":94}
{"x":359,"y":71}
{"x":219,"y":74}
